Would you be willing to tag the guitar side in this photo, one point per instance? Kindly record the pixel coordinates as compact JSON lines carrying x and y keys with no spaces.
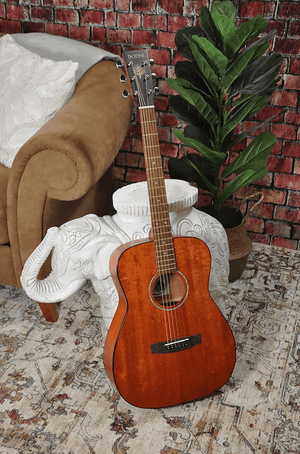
{"x":136,"y":358}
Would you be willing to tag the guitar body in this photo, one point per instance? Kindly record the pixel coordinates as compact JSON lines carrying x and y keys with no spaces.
{"x":160,"y":352}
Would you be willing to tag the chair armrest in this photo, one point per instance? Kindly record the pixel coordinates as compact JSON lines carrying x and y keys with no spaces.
{"x":68,"y":155}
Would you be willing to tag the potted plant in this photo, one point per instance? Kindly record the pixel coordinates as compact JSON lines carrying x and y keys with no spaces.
{"x":226,"y":78}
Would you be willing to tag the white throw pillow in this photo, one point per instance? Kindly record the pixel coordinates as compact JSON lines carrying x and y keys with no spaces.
{"x":32,"y":90}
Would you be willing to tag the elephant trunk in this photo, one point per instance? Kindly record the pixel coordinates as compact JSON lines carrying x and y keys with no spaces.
{"x":50,"y":289}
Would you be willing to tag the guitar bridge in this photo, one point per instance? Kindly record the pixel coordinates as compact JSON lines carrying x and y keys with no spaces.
{"x":176,"y":345}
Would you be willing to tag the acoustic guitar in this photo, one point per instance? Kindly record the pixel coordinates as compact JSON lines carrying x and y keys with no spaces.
{"x":168,"y":343}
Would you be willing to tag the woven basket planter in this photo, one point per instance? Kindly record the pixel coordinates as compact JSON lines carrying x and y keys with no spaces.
{"x":240,"y":246}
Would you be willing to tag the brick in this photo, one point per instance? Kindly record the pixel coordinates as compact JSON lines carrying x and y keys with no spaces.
{"x":155,"y":21}
{"x":57,"y":29}
{"x":283,"y":131}
{"x":144,"y":5}
{"x":166,"y":39}
{"x":120,"y":159}
{"x":91,"y":17}
{"x":2,"y":11}
{"x":66,"y":15}
{"x":280,"y":164}
{"x":118,"y":173}
{"x":293,"y":199}
{"x":128,"y":20}
{"x":294,"y":28}
{"x":287,"y":182}
{"x":193,"y":6}
{"x":296,"y":232}
{"x":269,"y":10}
{"x":135,"y":175}
{"x":292,"y":82}
{"x":277,"y":149}
{"x":291,"y":149}
{"x":289,"y":10}
{"x":161,"y":103}
{"x":33,"y":27}
{"x":259,"y":238}
{"x":280,"y":229}
{"x":133,"y":160}
{"x":102,"y":4}
{"x":264,"y":210}
{"x":123,"y":5}
{"x":287,"y":214}
{"x":110,"y":19}
{"x":255,"y":225}
{"x":143,"y":38}
{"x":292,"y":117}
{"x":167,"y":119}
{"x":288,"y":46}
{"x":118,"y":36}
{"x":268,"y":112}
{"x":251,"y":9}
{"x":81,"y":3}
{"x":275,"y":196}
{"x":160,"y":71}
{"x":171,"y":7}
{"x":297,"y":168}
{"x":17,"y":12}
{"x":282,"y":242}
{"x":63,"y":3}
{"x":168,"y":149}
{"x":160,"y":56}
{"x":79,"y":33}
{"x":295,"y":66}
{"x":164,"y":134}
{"x":176,"y":22}
{"x":8,"y":26}
{"x":41,"y":13}
{"x":98,"y":34}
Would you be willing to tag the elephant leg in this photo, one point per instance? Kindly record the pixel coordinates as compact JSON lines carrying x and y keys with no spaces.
{"x":49,"y":311}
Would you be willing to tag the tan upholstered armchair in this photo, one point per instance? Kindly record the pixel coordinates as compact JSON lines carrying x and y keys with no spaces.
{"x":64,"y":171}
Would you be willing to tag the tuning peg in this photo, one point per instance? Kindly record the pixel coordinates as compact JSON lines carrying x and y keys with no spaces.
{"x":153,"y":75}
{"x":122,"y":78}
{"x":126,"y":94}
{"x":156,"y":90}
{"x":119,"y":64}
{"x":151,"y":61}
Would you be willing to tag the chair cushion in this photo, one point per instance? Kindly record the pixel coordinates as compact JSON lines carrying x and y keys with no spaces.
{"x":32,"y":90}
{"x":4,"y":174}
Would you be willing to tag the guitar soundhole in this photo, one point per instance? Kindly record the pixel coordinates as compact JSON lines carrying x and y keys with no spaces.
{"x":169,"y":290}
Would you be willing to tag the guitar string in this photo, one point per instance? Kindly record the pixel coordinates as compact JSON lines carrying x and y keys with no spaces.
{"x":144,"y":124}
{"x":168,"y":257}
{"x":150,"y":154}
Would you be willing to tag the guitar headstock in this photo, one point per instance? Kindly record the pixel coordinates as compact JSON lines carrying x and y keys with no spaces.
{"x":138,"y":70}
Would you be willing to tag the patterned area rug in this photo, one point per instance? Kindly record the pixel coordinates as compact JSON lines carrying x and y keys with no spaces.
{"x":55,"y":396}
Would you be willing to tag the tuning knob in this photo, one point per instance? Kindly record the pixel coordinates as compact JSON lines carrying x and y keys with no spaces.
{"x":151,"y":61}
{"x":156,"y":90}
{"x":122,"y":78}
{"x":125,"y":94}
{"x":119,"y":64}
{"x":153,"y":76}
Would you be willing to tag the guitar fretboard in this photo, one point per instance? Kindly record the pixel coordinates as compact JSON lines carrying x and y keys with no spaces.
{"x":160,"y":219}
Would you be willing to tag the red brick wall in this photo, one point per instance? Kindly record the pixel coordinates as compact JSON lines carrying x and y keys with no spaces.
{"x":153,"y":23}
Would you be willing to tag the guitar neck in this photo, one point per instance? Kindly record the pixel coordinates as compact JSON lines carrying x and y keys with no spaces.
{"x":160,"y":219}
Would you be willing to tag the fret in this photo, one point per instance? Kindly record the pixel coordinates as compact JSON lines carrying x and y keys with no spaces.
{"x":161,"y":226}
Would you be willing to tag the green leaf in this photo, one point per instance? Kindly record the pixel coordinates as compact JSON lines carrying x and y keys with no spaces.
{"x":215,"y":157}
{"x":224,"y":24}
{"x":241,"y":63}
{"x":224,"y":8}
{"x":190,"y":93}
{"x":210,"y":187}
{"x":254,"y":156}
{"x":259,"y":75}
{"x":181,"y":39}
{"x":251,"y":107}
{"x":215,"y":58}
{"x":208,"y":25}
{"x":243,"y":34}
{"x":244,"y":179}
{"x":209,"y":74}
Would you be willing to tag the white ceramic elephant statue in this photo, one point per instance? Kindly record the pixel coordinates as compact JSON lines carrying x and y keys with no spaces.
{"x":82,"y":247}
